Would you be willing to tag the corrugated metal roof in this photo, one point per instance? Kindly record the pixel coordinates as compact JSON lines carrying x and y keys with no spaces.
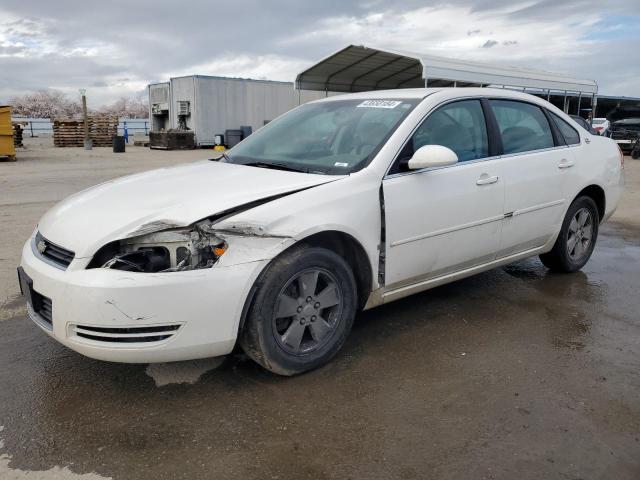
{"x":360,"y":68}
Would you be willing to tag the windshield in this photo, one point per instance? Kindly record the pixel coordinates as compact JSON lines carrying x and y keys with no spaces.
{"x":335,"y":137}
{"x":599,"y":121}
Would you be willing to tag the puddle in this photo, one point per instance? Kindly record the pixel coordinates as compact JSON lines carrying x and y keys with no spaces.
{"x":182,"y":372}
{"x":55,"y":473}
{"x":571,"y":332}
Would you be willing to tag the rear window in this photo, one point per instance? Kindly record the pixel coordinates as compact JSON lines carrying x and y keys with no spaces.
{"x":523,"y":126}
{"x":571,"y":136}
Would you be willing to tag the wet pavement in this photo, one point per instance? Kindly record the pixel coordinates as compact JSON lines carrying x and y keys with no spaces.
{"x":513,"y":373}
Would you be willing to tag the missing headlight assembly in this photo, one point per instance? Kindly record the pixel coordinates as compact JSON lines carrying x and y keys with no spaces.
{"x":172,"y":250}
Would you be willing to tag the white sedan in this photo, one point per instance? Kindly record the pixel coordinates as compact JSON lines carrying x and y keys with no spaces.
{"x":340,"y":205}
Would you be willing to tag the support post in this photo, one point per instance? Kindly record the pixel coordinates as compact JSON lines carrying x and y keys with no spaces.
{"x":87,"y":140}
{"x":579,"y":102}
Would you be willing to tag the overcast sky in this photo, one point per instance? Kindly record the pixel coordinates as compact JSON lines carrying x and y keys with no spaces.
{"x":115,"y":48}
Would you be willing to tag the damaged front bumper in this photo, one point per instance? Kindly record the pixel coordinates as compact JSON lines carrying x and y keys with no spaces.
{"x":137,"y":317}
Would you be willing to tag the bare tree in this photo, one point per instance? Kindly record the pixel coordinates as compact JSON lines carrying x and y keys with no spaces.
{"x":55,"y":104}
{"x":128,"y":107}
{"x":45,"y":104}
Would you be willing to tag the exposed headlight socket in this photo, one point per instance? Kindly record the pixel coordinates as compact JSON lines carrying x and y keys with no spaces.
{"x":164,"y":251}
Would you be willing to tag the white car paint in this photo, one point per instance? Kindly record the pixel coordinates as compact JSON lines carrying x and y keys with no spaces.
{"x":440,"y":224}
{"x":176,"y":196}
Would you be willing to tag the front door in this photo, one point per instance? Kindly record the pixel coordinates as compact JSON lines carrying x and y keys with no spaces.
{"x":447,"y":219}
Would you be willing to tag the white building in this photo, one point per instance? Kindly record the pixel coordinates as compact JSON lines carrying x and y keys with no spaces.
{"x":210,"y":106}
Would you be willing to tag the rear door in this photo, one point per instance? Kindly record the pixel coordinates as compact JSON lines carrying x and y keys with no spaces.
{"x":533,"y":163}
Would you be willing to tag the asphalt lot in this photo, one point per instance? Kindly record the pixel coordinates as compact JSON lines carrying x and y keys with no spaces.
{"x":514,"y":373}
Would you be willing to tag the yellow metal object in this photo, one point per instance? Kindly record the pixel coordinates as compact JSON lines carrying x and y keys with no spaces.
{"x":6,"y":134}
{"x":219,"y":148}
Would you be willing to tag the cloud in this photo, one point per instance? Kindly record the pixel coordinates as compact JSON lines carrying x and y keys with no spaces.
{"x":116,"y":48}
{"x":489,"y":44}
{"x":11,"y":50}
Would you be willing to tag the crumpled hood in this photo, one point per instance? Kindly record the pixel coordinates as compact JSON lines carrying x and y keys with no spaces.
{"x":176,"y":196}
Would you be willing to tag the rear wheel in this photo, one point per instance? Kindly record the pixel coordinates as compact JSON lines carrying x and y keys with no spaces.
{"x":577,"y":238}
{"x":302,"y":311}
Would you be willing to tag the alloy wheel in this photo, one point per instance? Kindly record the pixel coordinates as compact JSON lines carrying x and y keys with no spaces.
{"x":579,"y":235}
{"x":307,"y":311}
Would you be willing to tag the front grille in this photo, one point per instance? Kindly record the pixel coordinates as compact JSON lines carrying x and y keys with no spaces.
{"x":625,"y":134}
{"x":46,"y":308}
{"x":156,"y":333}
{"x":55,"y":253}
{"x":40,"y":310}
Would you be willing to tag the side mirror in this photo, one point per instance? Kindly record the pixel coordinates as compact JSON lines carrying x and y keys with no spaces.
{"x":429,"y":156}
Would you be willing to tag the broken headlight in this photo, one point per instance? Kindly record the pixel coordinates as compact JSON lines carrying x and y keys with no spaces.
{"x":171,"y":250}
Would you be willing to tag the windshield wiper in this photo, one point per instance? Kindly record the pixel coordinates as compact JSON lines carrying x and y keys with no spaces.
{"x":277,"y":166}
{"x":224,"y":155}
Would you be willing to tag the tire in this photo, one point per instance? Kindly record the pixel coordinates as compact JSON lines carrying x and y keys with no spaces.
{"x":293,"y":326}
{"x":577,"y":237}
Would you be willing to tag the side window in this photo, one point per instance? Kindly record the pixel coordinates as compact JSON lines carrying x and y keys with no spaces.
{"x":459,"y":126}
{"x":571,"y":136}
{"x":523,"y":126}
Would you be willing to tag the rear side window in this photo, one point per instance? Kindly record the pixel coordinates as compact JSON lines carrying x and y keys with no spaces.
{"x":523,"y":126}
{"x":459,"y":126}
{"x":571,"y":136}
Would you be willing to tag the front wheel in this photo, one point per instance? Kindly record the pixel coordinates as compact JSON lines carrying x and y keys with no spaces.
{"x":577,"y":237}
{"x":302,"y":311}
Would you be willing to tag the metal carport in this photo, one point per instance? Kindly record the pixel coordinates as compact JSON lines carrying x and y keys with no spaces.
{"x":358,"y":68}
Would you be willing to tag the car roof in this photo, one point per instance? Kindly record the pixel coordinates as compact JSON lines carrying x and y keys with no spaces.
{"x":403,"y":93}
{"x":420,"y":93}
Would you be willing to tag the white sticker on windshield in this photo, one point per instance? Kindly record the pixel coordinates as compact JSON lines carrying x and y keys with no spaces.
{"x":380,"y":103}
{"x":340,"y":164}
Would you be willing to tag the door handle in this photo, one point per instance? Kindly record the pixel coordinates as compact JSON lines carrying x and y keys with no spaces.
{"x":564,"y":163}
{"x":486,"y":179}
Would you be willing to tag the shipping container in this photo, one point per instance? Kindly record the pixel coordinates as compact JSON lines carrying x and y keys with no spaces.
{"x":209,"y":106}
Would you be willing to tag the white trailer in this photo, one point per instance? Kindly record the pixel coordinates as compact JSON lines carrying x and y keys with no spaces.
{"x":211,"y":105}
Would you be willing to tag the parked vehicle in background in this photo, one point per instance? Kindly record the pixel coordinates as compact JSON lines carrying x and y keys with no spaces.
{"x":600,"y":125}
{"x":340,"y":205}
{"x":584,"y":124}
{"x":625,"y":127}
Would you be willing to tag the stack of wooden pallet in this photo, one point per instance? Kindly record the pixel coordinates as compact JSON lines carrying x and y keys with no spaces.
{"x":17,"y":135}
{"x":70,"y":133}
